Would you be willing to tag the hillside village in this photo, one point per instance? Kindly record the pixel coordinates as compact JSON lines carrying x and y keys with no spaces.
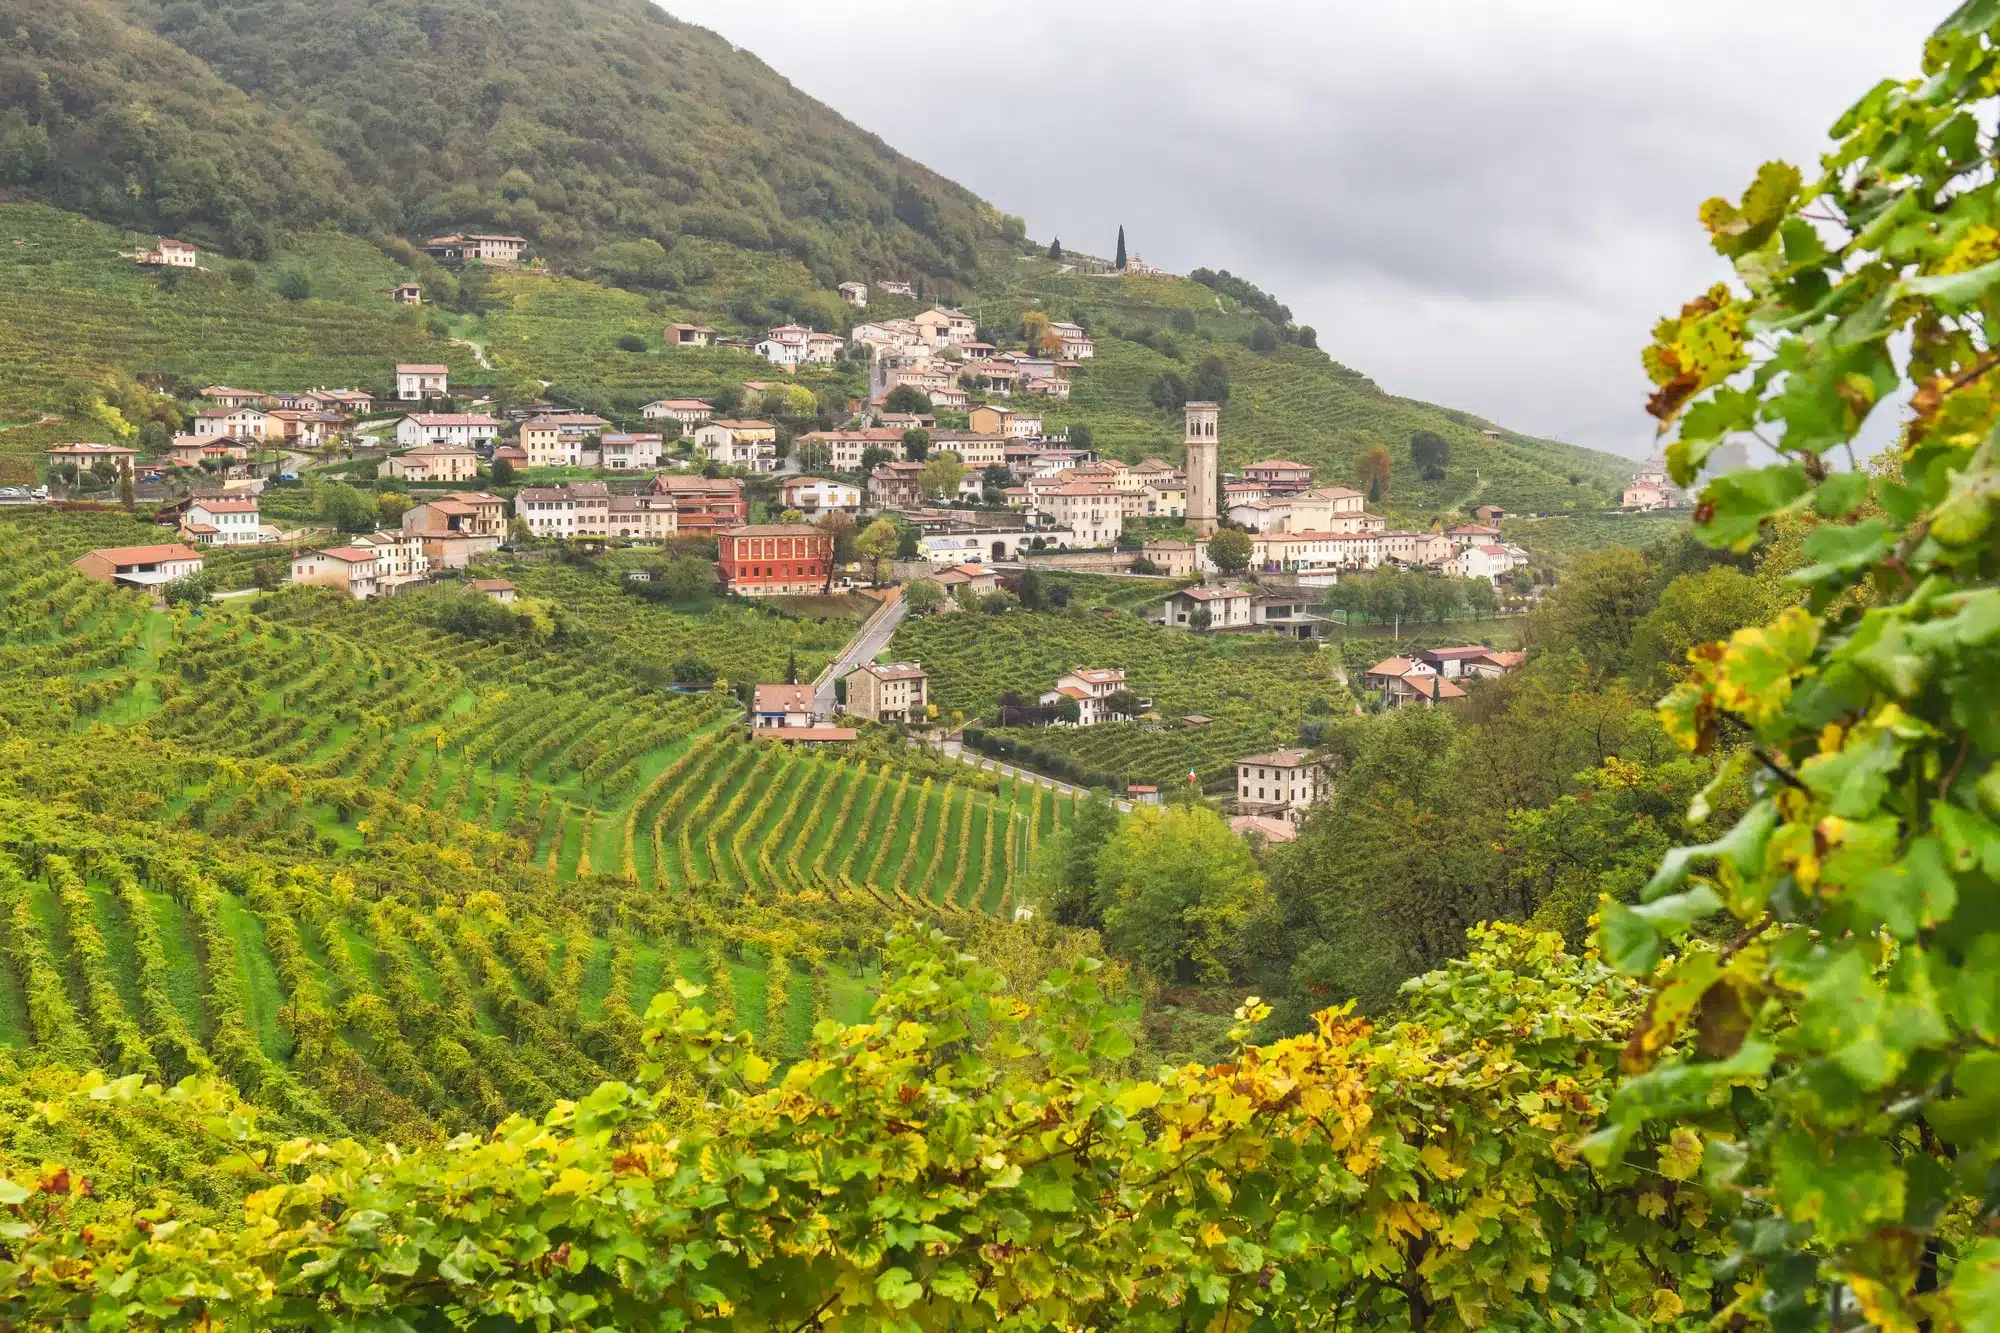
{"x":940,"y":490}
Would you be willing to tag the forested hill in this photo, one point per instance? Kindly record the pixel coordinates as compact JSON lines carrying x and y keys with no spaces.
{"x":577,"y":123}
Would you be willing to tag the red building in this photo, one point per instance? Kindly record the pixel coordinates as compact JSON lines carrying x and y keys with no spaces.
{"x":703,"y":504}
{"x":775,"y":560}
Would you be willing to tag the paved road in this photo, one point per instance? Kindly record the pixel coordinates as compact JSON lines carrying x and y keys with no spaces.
{"x":978,"y":760}
{"x":860,"y":649}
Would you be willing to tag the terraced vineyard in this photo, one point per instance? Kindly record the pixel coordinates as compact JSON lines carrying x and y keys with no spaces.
{"x":1562,"y":538}
{"x":566,"y":331}
{"x":77,"y":310}
{"x":1255,"y":691}
{"x":387,"y":878}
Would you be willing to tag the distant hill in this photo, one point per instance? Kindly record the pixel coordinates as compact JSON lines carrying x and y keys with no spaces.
{"x":660,"y":173}
{"x":574,"y":122}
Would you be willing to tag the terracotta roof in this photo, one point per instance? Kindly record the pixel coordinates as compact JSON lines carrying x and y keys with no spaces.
{"x":1281,"y":759}
{"x":1434,"y":687}
{"x":1506,"y":659}
{"x":1072,"y":692}
{"x":90,"y":450}
{"x":412,"y":368}
{"x":1391,"y":666}
{"x":225,"y":411}
{"x":1099,"y":675}
{"x":783,"y":699}
{"x":692,"y":404}
{"x":1212,"y":594}
{"x":745,"y":424}
{"x":492,"y":585}
{"x":1274,"y":830}
{"x":795,"y":734}
{"x":199,"y":527}
{"x":1454,"y":654}
{"x":671,"y":483}
{"x":146,"y":555}
{"x":352,"y":555}
{"x":227,"y":506}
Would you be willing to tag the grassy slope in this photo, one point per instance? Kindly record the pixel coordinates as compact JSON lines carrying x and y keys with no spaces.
{"x":76,"y":310}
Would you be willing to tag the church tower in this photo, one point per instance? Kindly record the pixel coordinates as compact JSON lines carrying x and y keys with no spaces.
{"x":1203,"y":488}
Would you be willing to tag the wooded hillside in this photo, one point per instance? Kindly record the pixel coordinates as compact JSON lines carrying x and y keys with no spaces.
{"x":576,"y":124}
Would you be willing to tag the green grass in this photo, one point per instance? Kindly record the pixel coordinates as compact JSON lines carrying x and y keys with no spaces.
{"x":117,"y":933}
{"x":184,"y":986}
{"x":262,"y":994}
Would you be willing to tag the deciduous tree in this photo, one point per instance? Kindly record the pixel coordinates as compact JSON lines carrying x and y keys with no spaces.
{"x":1229,"y":549}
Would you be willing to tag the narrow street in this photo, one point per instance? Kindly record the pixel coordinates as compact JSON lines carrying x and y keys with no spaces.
{"x":991,"y":765}
{"x":870,"y":640}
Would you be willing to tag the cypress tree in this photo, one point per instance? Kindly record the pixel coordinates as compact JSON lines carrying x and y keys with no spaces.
{"x":1055,"y":249}
{"x":1121,"y":246}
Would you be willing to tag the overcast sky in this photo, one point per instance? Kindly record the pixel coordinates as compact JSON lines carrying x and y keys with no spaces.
{"x":1485,"y":203}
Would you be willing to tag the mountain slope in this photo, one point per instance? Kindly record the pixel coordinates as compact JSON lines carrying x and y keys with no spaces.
{"x":661,"y":173}
{"x":575,"y":122}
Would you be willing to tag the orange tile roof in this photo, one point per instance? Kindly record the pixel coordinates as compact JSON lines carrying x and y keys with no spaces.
{"x":146,"y":555}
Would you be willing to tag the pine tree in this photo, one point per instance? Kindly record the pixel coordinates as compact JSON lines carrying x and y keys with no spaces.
{"x":1121,"y":246}
{"x":127,"y":493}
{"x":1055,"y":249}
{"x":792,"y":668}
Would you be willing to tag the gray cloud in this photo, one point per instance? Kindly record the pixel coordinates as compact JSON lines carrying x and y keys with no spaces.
{"x":1481,"y":202}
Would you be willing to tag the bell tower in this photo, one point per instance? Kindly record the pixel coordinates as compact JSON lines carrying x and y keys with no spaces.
{"x":1203,"y":489}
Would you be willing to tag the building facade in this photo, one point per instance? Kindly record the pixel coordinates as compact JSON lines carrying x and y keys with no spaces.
{"x":346,"y":569}
{"x":1283,"y":782}
{"x":892,"y":692}
{"x":224,"y":521}
{"x":702,"y":504}
{"x":139,"y":566}
{"x":775,"y":560}
{"x":415,"y":382}
{"x":464,"y":429}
